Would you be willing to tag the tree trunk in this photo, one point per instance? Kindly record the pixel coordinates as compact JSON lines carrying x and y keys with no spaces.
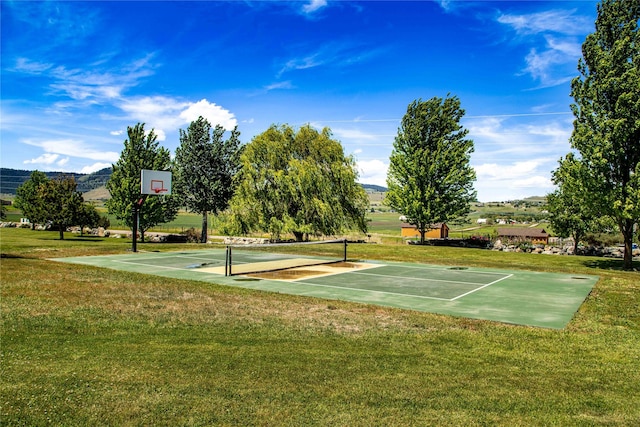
{"x":204,"y":235}
{"x":299,"y":236}
{"x":422,"y":233}
{"x":61,"y":228}
{"x":626,"y":227}
{"x":576,"y":240}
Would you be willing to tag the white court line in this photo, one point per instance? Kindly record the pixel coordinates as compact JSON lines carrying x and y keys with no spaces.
{"x":441,"y":268}
{"x":482,"y":287}
{"x":161,"y":266}
{"x":419,"y":278}
{"x":374,"y":291}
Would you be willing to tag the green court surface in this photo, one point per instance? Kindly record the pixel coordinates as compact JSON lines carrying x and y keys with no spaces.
{"x":529,"y":298}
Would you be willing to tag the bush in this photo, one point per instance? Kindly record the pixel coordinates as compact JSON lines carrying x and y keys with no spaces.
{"x":191,"y":235}
{"x":603,"y":239}
{"x":104,"y":222}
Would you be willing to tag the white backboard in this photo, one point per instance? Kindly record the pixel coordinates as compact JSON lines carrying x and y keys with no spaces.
{"x":155,"y":182}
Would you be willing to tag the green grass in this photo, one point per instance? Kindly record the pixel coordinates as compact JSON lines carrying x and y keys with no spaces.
{"x":88,"y":346}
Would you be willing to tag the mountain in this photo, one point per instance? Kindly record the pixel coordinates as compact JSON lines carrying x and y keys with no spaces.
{"x":11,"y":179}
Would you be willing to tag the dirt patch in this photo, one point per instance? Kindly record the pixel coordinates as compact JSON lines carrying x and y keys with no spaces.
{"x":292,"y":274}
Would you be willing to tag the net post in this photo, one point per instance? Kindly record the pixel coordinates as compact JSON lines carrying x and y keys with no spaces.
{"x":227,"y":264}
{"x":344,"y":259}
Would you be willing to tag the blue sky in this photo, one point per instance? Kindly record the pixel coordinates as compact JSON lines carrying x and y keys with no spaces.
{"x":76,"y":74}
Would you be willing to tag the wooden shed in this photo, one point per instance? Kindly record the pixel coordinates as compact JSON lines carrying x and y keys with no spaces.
{"x":435,"y":231}
{"x":534,"y":235}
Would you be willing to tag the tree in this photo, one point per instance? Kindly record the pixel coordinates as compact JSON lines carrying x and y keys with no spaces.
{"x":28,"y":198}
{"x":570,"y":208}
{"x":62,"y":202}
{"x":297,"y":182}
{"x":140,"y":152}
{"x":204,"y":167}
{"x":606,"y":130}
{"x":88,"y":216}
{"x":429,"y":178}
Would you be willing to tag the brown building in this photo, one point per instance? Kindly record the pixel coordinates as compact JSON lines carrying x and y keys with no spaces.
{"x":534,"y":235}
{"x":435,"y":231}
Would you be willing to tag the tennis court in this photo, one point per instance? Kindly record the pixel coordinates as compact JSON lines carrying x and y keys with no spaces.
{"x":539,"y":299}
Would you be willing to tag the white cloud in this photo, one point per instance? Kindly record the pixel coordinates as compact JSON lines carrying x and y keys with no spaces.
{"x":373,"y":172}
{"x":25,"y":65}
{"x":314,"y":5}
{"x":354,"y":134}
{"x":72,"y":148}
{"x":515,"y":171}
{"x":116,"y":132}
{"x":556,"y":21}
{"x":45,"y":159}
{"x":499,"y":182}
{"x":279,"y":85}
{"x":95,"y":167}
{"x":215,"y":114}
{"x":165,"y":114}
{"x":556,"y":36}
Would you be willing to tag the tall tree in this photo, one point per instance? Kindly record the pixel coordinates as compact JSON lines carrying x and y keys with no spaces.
{"x":62,"y":201}
{"x":429,"y":178}
{"x":140,"y":152}
{"x":204,"y":167}
{"x":28,"y":198}
{"x":297,"y":182}
{"x":606,"y":130}
{"x":570,"y":206}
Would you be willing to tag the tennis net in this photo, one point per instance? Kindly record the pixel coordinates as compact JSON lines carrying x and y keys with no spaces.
{"x":249,"y":259}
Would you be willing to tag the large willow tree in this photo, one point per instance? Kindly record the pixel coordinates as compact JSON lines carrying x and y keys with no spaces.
{"x":297,"y":182}
{"x":430,"y":179}
{"x":607,"y":116}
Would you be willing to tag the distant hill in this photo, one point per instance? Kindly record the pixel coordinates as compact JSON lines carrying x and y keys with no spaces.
{"x":372,"y":187}
{"x":11,"y":179}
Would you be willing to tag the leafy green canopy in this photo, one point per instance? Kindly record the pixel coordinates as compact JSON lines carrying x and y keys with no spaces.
{"x":429,"y":178}
{"x":569,"y":206}
{"x":55,"y":201}
{"x":140,"y":152}
{"x":204,"y":168}
{"x":297,"y":182}
{"x":607,"y":116}
{"x":28,"y":198}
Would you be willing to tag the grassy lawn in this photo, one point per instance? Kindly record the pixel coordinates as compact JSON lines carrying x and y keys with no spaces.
{"x":87,"y":346}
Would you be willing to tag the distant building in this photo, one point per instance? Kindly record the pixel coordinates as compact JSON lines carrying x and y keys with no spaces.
{"x":435,"y":231}
{"x":534,"y":235}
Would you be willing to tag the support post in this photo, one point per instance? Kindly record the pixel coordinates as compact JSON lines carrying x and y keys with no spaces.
{"x":136,"y":220}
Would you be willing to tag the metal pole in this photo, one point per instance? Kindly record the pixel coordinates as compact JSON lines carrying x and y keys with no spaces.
{"x":345,"y":251}
{"x":134,"y":239}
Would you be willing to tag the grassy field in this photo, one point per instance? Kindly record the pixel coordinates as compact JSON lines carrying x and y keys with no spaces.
{"x":88,"y":346}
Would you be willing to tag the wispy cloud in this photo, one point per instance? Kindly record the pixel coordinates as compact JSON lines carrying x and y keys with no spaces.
{"x":556,"y":39}
{"x":313,"y":6}
{"x":279,"y":85}
{"x":554,"y":21}
{"x":72,"y":148}
{"x":336,"y":54}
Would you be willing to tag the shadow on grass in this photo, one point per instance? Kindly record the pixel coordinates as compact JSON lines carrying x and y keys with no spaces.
{"x":610,"y":264}
{"x":12,"y":256}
